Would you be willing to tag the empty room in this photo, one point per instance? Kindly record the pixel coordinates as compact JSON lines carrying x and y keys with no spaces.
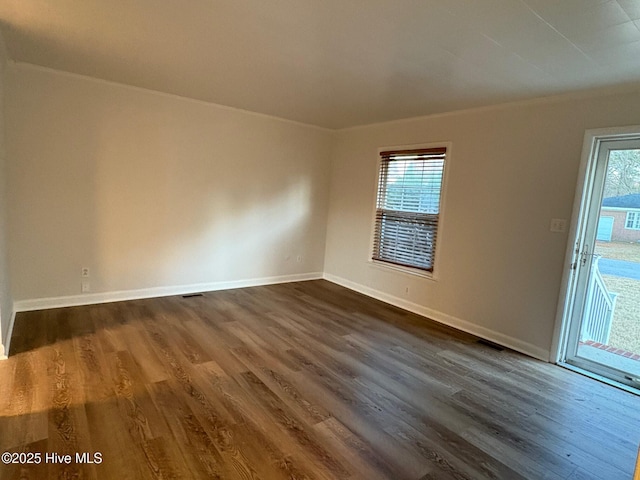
{"x":320,"y":240}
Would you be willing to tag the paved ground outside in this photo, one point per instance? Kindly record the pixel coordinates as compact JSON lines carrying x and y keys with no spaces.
{"x":619,"y":268}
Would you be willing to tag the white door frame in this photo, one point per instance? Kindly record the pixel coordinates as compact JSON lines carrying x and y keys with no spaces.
{"x":575,"y":243}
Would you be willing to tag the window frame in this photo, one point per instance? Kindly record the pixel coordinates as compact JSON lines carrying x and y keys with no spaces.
{"x":635,"y":223}
{"x":408,"y":270}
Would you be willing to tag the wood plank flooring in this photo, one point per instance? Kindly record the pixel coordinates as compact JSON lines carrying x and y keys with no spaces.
{"x":296,"y":381}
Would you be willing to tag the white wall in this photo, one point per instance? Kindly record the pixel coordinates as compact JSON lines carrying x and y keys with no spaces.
{"x":6,"y":303}
{"x":152,"y":191}
{"x":511,"y":170}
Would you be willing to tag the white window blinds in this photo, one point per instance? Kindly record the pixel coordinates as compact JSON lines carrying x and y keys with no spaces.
{"x":408,"y":207}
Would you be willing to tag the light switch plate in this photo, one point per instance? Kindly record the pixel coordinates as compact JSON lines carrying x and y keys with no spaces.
{"x":558,"y":225}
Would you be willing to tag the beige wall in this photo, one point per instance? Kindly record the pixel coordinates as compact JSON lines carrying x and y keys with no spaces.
{"x":6,"y":303}
{"x":512,"y":169}
{"x":152,"y":191}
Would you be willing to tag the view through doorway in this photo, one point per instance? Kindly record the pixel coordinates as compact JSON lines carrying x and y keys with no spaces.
{"x":603,"y":334}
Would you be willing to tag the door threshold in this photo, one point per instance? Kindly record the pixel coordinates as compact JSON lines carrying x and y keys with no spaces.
{"x":600,"y":378}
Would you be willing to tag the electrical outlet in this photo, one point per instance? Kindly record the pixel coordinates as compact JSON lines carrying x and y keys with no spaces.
{"x":84,"y":273}
{"x":406,"y":290}
{"x":299,"y":258}
{"x":86,"y":287}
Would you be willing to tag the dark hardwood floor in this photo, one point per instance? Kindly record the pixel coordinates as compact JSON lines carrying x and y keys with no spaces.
{"x":295,"y":381}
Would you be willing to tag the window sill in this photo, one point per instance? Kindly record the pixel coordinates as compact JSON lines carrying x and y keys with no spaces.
{"x":414,"y":272}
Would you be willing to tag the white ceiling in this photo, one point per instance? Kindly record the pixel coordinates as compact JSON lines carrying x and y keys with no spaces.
{"x":335,"y":63}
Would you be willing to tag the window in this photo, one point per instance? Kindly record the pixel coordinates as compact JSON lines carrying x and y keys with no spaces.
{"x":633,"y":221}
{"x":408,"y":207}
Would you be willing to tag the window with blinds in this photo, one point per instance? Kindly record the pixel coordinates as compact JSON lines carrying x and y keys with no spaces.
{"x":408,"y":207}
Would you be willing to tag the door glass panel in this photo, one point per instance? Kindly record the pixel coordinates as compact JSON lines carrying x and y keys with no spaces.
{"x":610,"y":326}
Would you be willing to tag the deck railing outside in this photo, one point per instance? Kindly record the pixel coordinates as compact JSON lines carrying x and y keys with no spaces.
{"x":599,"y":308}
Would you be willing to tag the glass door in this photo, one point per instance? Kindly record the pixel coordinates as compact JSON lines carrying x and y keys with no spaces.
{"x":604,"y":329}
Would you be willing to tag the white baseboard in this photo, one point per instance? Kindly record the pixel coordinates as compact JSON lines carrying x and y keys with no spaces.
{"x":107,"y":297}
{"x":4,"y":349}
{"x":486,"y":333}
